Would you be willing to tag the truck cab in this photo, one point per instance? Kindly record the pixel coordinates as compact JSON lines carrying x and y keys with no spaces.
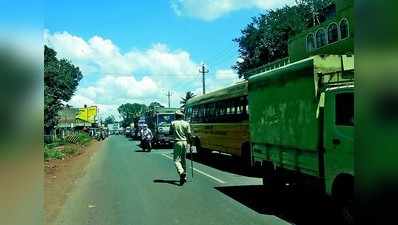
{"x":338,"y":139}
{"x":162,"y":128}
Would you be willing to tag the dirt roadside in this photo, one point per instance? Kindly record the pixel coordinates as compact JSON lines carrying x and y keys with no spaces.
{"x":60,"y":177}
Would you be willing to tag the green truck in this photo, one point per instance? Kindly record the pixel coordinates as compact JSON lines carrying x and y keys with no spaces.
{"x":301,"y":124}
{"x":159,"y":121}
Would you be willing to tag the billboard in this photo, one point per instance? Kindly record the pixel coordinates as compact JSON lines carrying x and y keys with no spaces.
{"x":87,"y":114}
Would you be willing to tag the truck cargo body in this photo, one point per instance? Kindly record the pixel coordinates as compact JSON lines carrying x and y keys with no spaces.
{"x":301,"y":118}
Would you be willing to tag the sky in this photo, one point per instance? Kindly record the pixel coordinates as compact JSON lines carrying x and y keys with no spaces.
{"x":137,"y":51}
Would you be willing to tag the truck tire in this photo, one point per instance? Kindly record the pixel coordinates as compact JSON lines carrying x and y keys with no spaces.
{"x":269,"y":176}
{"x":343,"y":195}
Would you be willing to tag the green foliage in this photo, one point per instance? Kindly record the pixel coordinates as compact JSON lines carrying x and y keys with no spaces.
{"x":265,"y":39}
{"x":109,"y":120}
{"x":154,"y":105}
{"x":131,"y":112}
{"x":52,"y":153}
{"x":188,"y":96}
{"x":71,"y":146}
{"x":70,"y":150}
{"x":61,"y":79}
{"x":83,"y":138}
{"x":57,"y":142}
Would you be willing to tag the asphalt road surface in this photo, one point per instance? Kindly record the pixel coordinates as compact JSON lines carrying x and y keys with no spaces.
{"x":125,"y":186}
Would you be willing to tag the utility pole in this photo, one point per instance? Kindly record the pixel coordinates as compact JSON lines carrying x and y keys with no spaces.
{"x":203,"y":70}
{"x":169,"y":95}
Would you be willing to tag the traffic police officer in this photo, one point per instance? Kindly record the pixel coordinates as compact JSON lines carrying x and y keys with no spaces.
{"x":181,"y":132}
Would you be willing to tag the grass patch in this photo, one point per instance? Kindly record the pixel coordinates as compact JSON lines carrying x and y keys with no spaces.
{"x":70,"y":150}
{"x":53,"y":153}
{"x":84,"y":138}
{"x":70,"y":145}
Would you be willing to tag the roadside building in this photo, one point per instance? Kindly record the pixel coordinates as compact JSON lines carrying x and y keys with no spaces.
{"x":69,"y":123}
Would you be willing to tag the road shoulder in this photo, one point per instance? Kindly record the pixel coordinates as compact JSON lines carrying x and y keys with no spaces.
{"x":60,"y":177}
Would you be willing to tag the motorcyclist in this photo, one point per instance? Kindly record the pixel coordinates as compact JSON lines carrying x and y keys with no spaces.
{"x":146,"y":138}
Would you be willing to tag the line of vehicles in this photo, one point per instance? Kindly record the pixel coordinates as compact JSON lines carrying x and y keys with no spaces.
{"x":293,"y":120}
{"x":294,"y":123}
{"x":158,"y":121}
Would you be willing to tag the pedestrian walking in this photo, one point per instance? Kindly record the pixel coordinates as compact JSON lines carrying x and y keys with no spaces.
{"x":181,"y":132}
{"x":147,"y":137}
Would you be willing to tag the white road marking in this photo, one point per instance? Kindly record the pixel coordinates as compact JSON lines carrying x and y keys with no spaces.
{"x":199,"y":171}
{"x":167,"y":156}
{"x":210,"y":176}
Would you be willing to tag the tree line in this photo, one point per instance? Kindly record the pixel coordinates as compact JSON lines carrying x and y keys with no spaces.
{"x":265,"y":38}
{"x":61,"y":79}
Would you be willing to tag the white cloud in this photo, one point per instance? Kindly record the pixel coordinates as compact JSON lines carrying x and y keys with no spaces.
{"x":102,"y":56}
{"x":209,"y":10}
{"x":116,"y":81}
{"x":109,"y":92}
{"x":111,"y":89}
{"x":161,"y":61}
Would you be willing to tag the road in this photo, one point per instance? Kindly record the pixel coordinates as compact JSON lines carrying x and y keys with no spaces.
{"x":124,"y":186}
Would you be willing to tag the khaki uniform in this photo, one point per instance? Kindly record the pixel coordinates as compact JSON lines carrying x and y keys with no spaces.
{"x":181,"y":131}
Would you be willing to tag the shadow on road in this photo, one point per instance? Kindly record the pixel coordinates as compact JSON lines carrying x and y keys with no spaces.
{"x":173,"y":182}
{"x":158,"y":147}
{"x":140,"y":150}
{"x":225,"y":163}
{"x":297,"y":208}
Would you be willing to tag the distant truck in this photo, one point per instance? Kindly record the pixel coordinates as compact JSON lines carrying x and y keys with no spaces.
{"x":302,"y":125}
{"x":159,"y":121}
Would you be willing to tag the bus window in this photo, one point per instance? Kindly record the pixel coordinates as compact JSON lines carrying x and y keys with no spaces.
{"x":223,"y":109}
{"x":212,"y":110}
{"x":194,"y":113}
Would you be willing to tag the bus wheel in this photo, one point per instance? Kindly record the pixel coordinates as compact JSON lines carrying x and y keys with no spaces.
{"x":199,"y":150}
{"x":343,"y":195}
{"x":246,"y":155}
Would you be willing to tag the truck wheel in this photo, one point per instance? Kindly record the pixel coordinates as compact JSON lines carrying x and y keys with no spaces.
{"x":343,"y":195}
{"x":269,"y":176}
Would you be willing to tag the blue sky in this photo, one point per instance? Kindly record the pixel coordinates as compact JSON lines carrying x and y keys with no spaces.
{"x":135,"y":51}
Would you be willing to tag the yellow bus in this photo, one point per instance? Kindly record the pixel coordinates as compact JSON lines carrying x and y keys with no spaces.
{"x":219,"y":121}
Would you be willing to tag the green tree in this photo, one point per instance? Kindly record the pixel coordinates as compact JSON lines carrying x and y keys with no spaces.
{"x":154,"y":105}
{"x":61,"y":79}
{"x":265,"y":39}
{"x":109,"y":120}
{"x":188,"y":96}
{"x":131,"y":112}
